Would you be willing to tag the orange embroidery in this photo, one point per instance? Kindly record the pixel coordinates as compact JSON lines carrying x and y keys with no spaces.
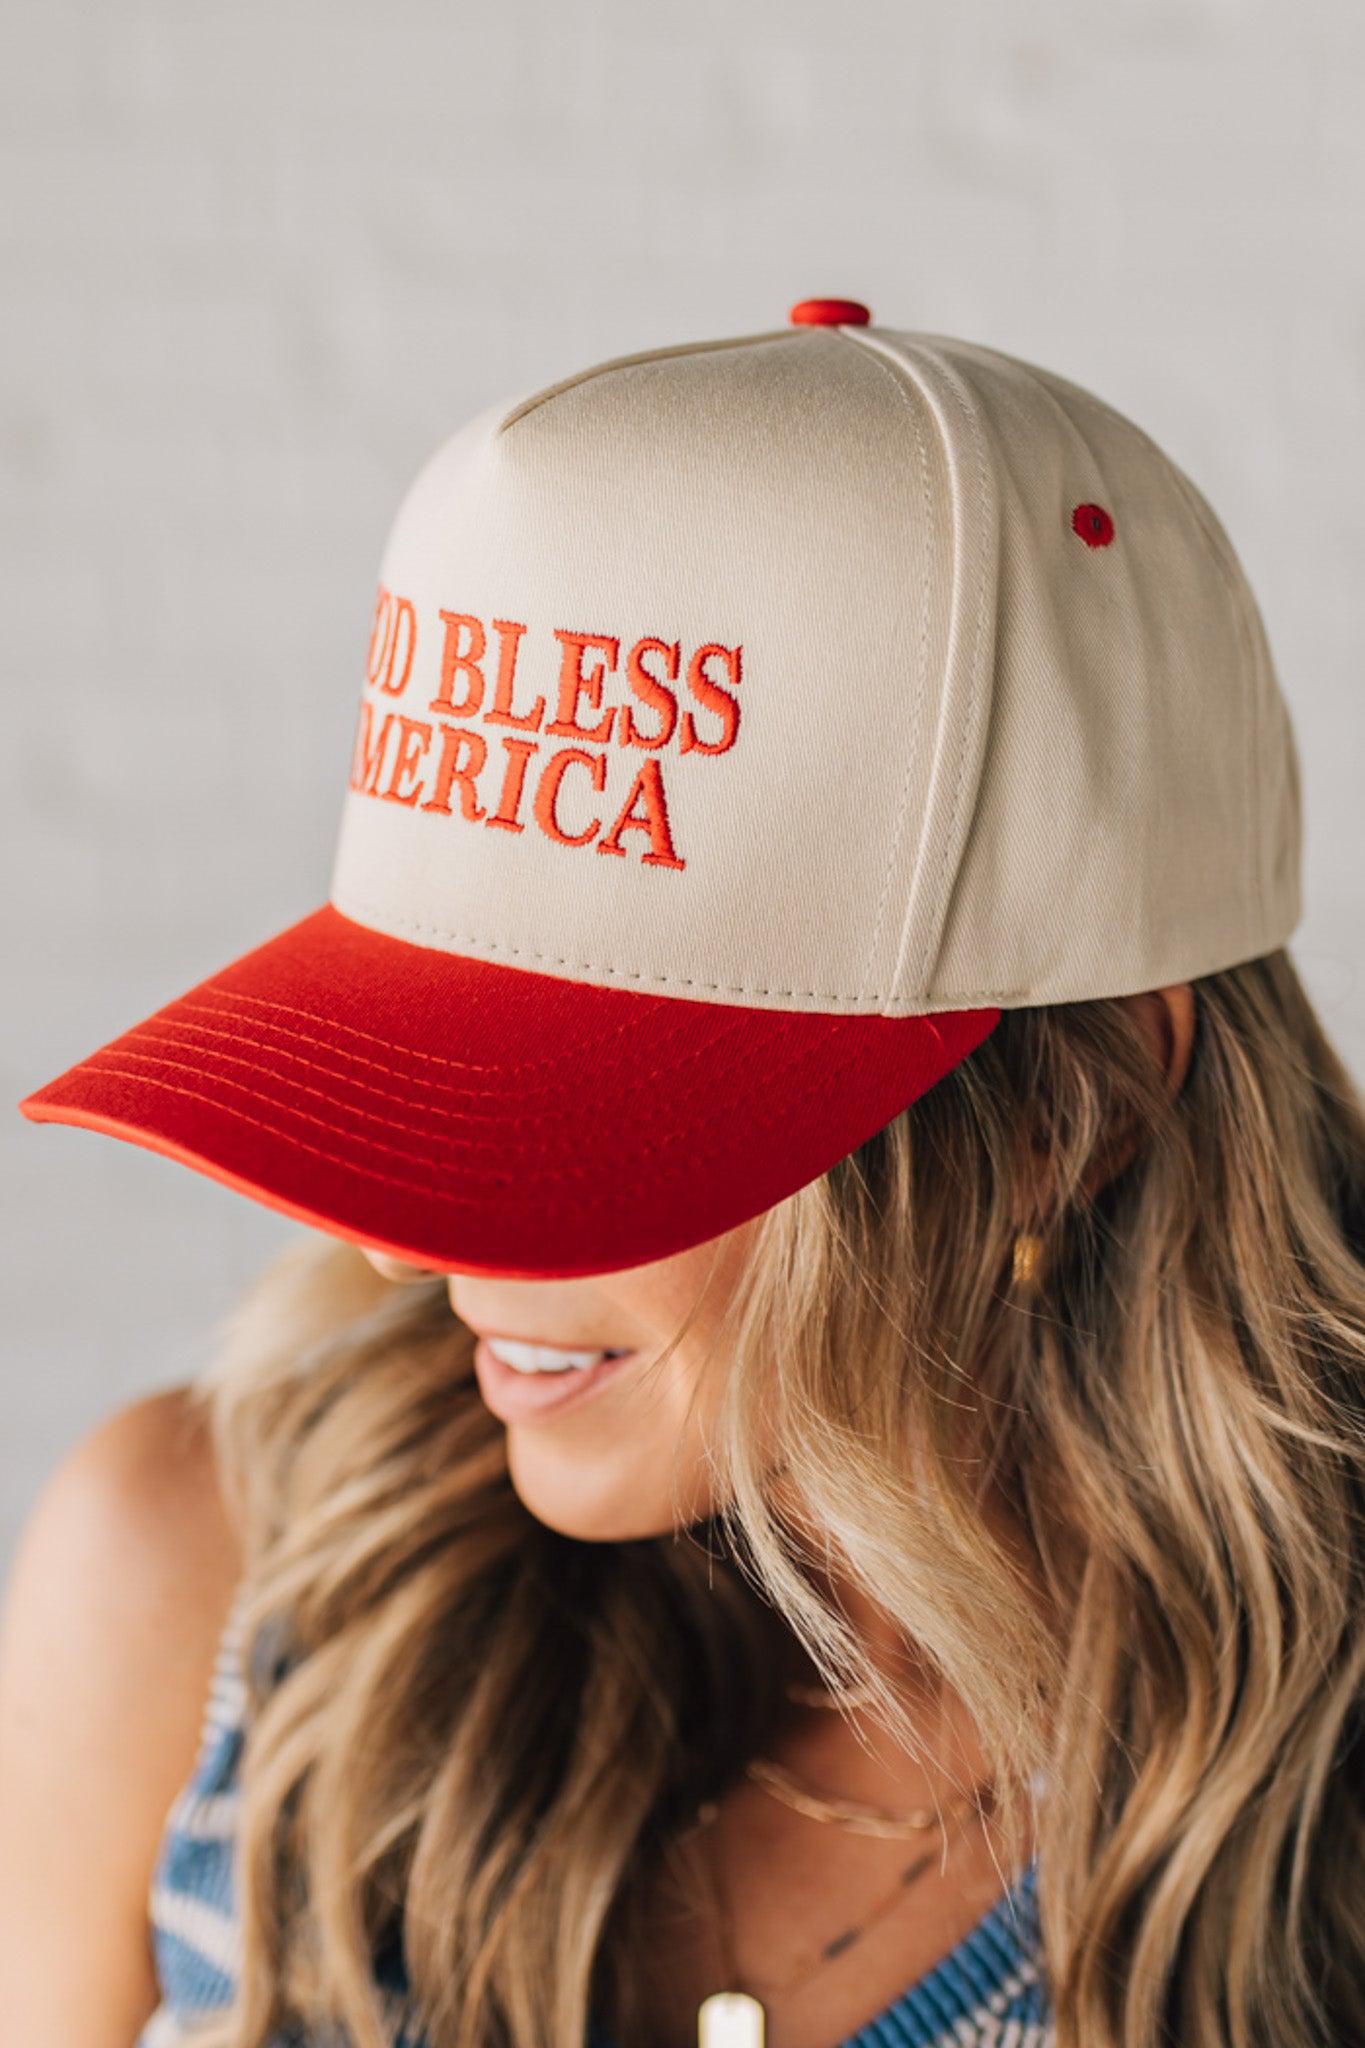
{"x":453,"y":738}
{"x":426,"y":776}
{"x":467,"y":663}
{"x":369,"y":749}
{"x":548,"y":789}
{"x":649,"y":785}
{"x":715,"y":699}
{"x":519,"y":753}
{"x":651,"y":692}
{"x":378,"y":623}
{"x":394,"y":626}
{"x":413,"y":740}
{"x":573,"y":682}
{"x":501,"y":712}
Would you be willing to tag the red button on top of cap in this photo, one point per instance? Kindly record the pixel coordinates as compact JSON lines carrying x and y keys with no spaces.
{"x":829,"y":313}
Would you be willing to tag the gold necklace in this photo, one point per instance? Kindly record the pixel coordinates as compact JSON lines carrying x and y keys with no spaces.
{"x":736,"y":2017}
{"x":848,"y":1813}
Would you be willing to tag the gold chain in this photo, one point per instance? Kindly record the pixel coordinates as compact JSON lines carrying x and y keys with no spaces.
{"x":738,"y":2006}
{"x":840,"y":1943}
{"x":848,"y":1813}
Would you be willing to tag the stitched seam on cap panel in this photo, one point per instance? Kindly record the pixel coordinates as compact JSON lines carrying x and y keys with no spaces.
{"x":1082,"y":431}
{"x":898,"y":384}
{"x":645,"y":355}
{"x":977,"y":721}
{"x":1251,"y":750}
{"x":376,"y":919}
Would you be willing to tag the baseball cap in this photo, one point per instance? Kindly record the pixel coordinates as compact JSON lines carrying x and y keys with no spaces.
{"x":746,"y":724}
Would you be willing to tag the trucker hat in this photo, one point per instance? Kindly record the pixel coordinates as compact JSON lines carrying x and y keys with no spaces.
{"x":746,"y":724}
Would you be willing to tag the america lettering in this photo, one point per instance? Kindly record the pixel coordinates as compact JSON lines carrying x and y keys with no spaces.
{"x":470,"y":755}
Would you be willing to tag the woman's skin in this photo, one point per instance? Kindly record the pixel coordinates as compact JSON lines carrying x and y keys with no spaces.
{"x":120,"y":1586}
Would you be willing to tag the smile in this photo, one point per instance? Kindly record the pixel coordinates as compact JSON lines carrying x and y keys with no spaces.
{"x":520,"y":1381}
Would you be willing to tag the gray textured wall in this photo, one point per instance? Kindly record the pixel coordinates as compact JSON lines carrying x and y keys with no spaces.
{"x":259,"y":257}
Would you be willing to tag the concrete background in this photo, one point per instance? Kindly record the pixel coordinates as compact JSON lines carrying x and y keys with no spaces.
{"x":259,"y":257}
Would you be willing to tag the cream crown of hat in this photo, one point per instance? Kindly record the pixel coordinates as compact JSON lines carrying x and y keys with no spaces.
{"x":1006,"y":726}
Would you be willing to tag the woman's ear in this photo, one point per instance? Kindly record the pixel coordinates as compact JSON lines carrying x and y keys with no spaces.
{"x":1167,"y":1017}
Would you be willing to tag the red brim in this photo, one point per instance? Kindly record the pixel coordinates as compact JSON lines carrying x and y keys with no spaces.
{"x":491,"y":1119}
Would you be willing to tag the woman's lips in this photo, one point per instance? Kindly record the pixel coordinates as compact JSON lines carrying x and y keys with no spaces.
{"x":521,"y":1396}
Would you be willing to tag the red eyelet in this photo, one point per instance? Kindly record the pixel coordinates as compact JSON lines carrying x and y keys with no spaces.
{"x":1093,"y":524}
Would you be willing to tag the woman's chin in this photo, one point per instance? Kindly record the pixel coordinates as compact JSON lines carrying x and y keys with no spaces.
{"x":621,"y":1496}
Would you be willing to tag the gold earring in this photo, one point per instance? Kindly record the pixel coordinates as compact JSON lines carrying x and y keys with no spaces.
{"x":1028,"y":1253}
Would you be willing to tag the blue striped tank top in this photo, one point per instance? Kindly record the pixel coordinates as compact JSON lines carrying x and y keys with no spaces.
{"x":987,"y":1992}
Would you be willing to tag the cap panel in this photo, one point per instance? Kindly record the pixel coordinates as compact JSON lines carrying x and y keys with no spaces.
{"x":780,"y":505}
{"x":935,"y":844}
{"x":1275,"y":813}
{"x":1114,"y":843}
{"x":531,"y":399}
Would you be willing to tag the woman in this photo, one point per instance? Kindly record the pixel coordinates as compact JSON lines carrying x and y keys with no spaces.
{"x":852,"y":1525}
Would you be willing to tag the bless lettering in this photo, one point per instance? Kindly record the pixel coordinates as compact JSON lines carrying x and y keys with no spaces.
{"x":434,"y":764}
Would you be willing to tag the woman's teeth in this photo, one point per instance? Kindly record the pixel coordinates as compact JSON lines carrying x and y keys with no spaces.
{"x":544,"y":1357}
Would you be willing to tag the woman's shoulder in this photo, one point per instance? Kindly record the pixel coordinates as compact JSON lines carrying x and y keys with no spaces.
{"x":116,"y":1603}
{"x":131,"y":1548}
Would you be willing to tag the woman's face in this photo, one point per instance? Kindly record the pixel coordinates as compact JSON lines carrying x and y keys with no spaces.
{"x":617,"y":1451}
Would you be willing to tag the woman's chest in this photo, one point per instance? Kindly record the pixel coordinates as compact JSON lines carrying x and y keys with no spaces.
{"x":828,"y":1935}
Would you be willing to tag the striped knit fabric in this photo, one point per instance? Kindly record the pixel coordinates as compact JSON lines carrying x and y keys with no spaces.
{"x":986,"y":1993}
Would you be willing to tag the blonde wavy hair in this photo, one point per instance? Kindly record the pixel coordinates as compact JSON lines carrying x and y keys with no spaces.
{"x":483,"y":1732}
